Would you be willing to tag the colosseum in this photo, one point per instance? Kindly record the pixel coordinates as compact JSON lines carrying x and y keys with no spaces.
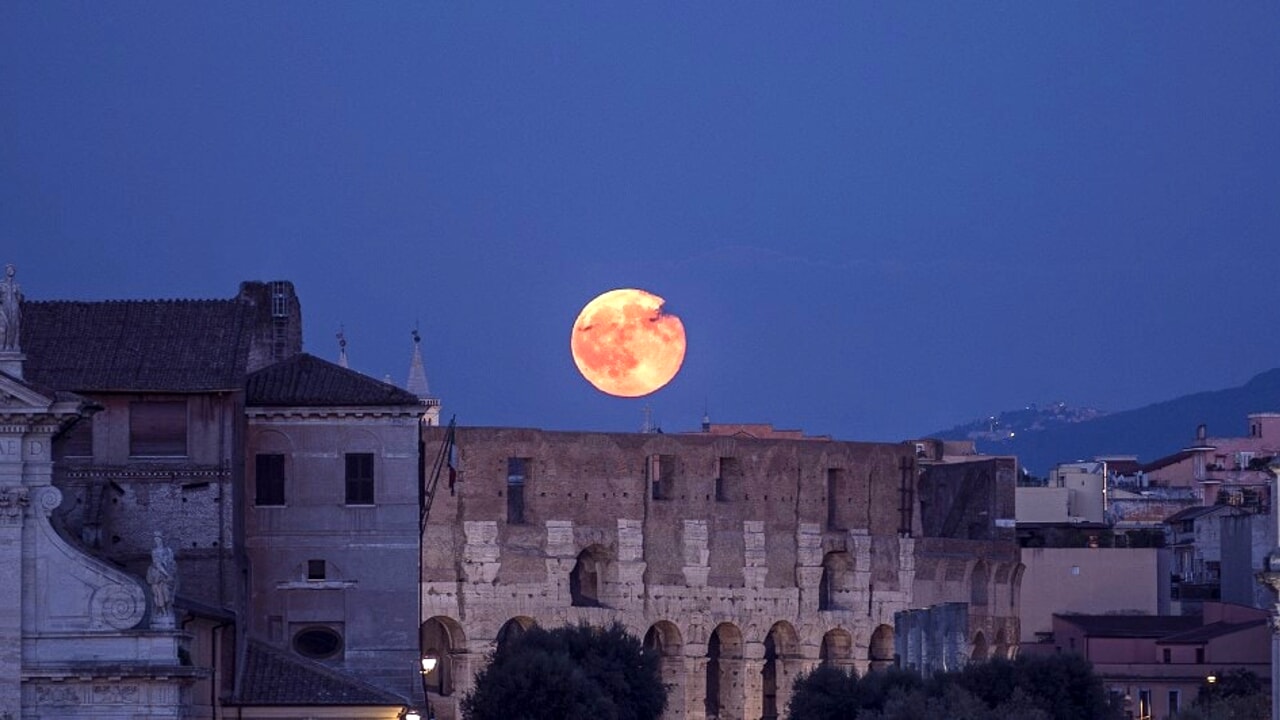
{"x":743,"y":558}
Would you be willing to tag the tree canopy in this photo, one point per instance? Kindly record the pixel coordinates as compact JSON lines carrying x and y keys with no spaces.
{"x":570,"y":673}
{"x":1058,"y":687}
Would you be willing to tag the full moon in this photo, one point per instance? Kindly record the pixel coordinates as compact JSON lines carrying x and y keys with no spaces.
{"x":625,"y":345}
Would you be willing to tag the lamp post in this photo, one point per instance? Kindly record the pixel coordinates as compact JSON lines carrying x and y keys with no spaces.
{"x":429,"y":661}
{"x":1211,"y":680}
{"x":1270,"y":577}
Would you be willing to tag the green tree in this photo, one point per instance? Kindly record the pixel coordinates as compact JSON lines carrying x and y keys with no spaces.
{"x":1059,"y":687}
{"x":826,"y":693}
{"x":571,"y":673}
{"x":1235,"y":695}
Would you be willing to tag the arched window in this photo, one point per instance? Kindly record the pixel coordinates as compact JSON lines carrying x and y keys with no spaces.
{"x":586,"y":581}
{"x":978,"y":582}
{"x":880,"y":650}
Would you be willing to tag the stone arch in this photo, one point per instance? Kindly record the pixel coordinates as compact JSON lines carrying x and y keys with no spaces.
{"x":979,"y":653}
{"x":360,"y":440}
{"x":1001,"y":648}
{"x":587,"y":579}
{"x":836,"y":584}
{"x":512,"y":629}
{"x":725,"y":693}
{"x":979,"y":582}
{"x":441,"y":638}
{"x":1015,"y":588}
{"x":880,"y":650}
{"x":663,"y":638}
{"x":781,"y":666}
{"x":836,"y":648}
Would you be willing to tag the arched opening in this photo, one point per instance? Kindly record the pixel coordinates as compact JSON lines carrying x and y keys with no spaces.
{"x":1001,"y":648}
{"x":587,"y":578}
{"x":663,"y":639}
{"x":781,"y":646}
{"x":880,"y":649}
{"x":978,"y":581}
{"x":979,"y":653}
{"x":836,"y":583}
{"x":724,"y":672}
{"x":511,"y":630}
{"x":440,"y":639}
{"x":1015,"y":588}
{"x":837,"y":648}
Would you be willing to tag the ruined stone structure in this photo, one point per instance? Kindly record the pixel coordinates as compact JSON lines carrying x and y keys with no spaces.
{"x":743,"y":561}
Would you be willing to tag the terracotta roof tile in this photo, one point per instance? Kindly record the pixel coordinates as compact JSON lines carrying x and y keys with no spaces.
{"x":306,"y":380}
{"x":152,"y":345}
{"x":276,"y":677}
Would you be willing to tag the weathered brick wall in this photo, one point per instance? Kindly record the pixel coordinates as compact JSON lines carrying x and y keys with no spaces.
{"x":746,"y":562}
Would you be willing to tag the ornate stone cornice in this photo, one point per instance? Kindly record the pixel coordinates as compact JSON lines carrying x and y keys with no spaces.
{"x":116,"y":472}
{"x":297,"y":413}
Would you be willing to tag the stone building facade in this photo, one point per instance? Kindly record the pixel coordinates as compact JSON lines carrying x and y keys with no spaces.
{"x":743,"y":561}
{"x":331,"y":520}
{"x":148,"y":418}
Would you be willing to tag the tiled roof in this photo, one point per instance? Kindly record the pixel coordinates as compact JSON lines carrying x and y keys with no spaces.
{"x":1132,"y":626}
{"x":1167,"y":460}
{"x":306,"y":380}
{"x":1208,"y":632}
{"x":276,"y":677}
{"x":1197,"y":511}
{"x":151,"y":345}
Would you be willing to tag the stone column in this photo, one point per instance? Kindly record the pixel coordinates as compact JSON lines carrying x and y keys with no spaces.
{"x":13,"y":503}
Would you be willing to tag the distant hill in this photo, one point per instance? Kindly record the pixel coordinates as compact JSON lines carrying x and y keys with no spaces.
{"x":1043,"y":437}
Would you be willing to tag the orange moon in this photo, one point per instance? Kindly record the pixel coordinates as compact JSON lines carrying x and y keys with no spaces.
{"x":625,"y":345}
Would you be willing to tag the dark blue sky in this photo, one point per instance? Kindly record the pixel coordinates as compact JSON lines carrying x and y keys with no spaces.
{"x":875,"y":220}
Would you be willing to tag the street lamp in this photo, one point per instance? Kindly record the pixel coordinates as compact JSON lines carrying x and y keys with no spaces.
{"x":427,"y":665}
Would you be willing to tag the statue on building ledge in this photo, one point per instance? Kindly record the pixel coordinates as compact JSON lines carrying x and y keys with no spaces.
{"x":10,"y":311}
{"x":162,"y":576}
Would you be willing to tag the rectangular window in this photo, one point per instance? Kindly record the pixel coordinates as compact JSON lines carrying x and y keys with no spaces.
{"x":269,"y":479}
{"x":1200,"y":656}
{"x":1144,"y":705}
{"x":359,"y":478}
{"x":517,"y":476}
{"x":837,"y":490}
{"x":158,"y":429}
{"x":729,"y":480}
{"x":315,"y":570}
{"x":1175,"y":702}
{"x":661,"y":471}
{"x":1167,"y":655}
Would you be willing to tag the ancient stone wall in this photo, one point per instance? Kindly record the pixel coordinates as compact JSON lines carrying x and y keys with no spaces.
{"x":743,"y":562}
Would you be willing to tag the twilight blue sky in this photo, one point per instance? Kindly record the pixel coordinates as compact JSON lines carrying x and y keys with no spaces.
{"x":874,"y":219}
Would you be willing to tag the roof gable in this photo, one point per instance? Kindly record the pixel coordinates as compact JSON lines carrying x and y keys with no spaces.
{"x":137,"y":345}
{"x":307,"y":381}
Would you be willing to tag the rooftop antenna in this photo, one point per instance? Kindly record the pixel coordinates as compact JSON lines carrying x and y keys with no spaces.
{"x":342,"y":346}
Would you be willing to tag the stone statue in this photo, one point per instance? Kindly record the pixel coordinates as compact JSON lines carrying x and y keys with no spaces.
{"x":10,"y":310}
{"x":162,"y":576}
